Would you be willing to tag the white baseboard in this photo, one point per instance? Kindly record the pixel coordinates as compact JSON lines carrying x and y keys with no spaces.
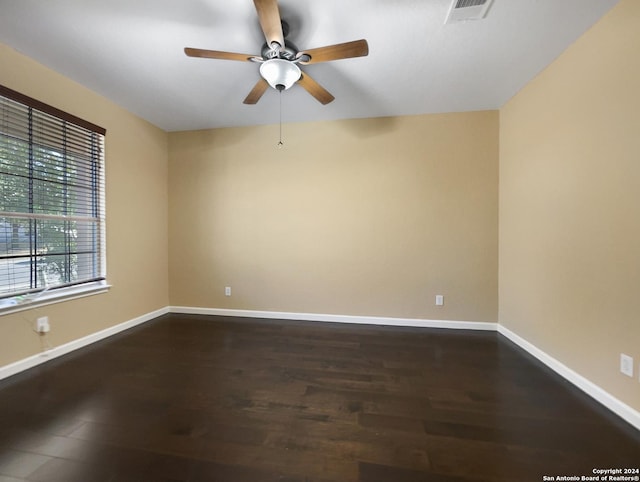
{"x":32,"y":361}
{"x":365,"y":320}
{"x":618,"y":407}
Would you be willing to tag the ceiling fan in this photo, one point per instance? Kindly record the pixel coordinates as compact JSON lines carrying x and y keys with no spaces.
{"x":279,"y":58}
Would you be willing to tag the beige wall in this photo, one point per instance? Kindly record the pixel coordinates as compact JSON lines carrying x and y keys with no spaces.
{"x":136,"y":191}
{"x":361,"y":217}
{"x":570,"y":205}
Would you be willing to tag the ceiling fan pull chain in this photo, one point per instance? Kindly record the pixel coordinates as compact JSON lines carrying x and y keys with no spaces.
{"x":280,"y":143}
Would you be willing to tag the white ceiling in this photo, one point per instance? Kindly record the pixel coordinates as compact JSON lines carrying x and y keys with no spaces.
{"x":131,"y":51}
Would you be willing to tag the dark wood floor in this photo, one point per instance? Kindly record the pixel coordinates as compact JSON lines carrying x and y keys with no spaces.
{"x":193,"y":398}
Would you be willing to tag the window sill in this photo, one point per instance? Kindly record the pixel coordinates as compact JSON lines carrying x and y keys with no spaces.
{"x":14,"y":305}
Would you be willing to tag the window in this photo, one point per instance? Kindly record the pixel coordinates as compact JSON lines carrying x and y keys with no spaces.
{"x":51,"y":200}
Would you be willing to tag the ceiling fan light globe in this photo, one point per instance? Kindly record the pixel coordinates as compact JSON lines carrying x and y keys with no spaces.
{"x":279,"y":73}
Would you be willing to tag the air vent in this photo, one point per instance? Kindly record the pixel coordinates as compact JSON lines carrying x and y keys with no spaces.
{"x":463,"y":10}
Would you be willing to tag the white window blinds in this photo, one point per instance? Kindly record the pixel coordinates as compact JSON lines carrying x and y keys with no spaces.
{"x":51,"y":197}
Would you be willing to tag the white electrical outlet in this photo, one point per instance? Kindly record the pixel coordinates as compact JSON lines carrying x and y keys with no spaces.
{"x":626,"y":365}
{"x":227,"y":290}
{"x":42,"y":324}
{"x":439,"y":300}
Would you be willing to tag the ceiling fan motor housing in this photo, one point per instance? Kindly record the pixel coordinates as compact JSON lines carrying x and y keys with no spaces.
{"x":287,"y":52}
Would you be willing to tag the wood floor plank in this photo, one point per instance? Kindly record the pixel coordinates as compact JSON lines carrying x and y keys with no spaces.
{"x":195,"y":398}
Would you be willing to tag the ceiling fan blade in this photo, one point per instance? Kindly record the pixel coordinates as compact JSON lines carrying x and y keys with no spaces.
{"x":270,"y":21}
{"x":256,"y":93}
{"x":216,"y":54}
{"x":347,"y":50}
{"x":321,"y":94}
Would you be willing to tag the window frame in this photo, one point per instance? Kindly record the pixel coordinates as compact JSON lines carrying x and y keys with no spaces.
{"x":26,"y":299}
